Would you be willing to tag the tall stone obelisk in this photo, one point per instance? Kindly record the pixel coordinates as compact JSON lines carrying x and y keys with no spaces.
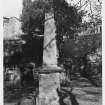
{"x":50,"y":52}
{"x":50,"y":77}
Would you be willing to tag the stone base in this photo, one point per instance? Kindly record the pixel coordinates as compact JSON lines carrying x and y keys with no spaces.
{"x":48,"y":84}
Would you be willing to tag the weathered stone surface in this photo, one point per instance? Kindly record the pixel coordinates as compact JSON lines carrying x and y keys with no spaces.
{"x":11,"y":28}
{"x":48,"y":84}
{"x":50,"y":48}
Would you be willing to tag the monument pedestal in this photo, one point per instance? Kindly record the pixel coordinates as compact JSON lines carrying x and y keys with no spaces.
{"x":49,"y":81}
{"x":47,"y":89}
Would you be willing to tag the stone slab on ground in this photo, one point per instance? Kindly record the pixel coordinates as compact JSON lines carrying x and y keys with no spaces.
{"x":86,"y":93}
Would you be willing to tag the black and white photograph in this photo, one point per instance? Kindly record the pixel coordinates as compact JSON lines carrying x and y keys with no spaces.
{"x":52,"y":52}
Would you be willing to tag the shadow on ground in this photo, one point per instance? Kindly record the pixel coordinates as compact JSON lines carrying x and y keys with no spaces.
{"x":83,"y":93}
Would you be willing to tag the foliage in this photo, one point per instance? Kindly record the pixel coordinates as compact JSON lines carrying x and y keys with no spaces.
{"x":93,"y":69}
{"x":96,"y":15}
{"x":82,"y":46}
{"x":33,"y":49}
{"x":67,"y":19}
{"x":12,"y":52}
{"x":33,"y":16}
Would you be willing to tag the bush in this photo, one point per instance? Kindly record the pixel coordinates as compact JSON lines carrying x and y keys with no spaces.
{"x":93,"y":69}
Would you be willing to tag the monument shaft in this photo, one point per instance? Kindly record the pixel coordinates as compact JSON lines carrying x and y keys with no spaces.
{"x":50,"y":48}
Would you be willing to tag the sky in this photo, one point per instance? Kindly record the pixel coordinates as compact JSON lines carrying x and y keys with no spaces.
{"x":12,"y":8}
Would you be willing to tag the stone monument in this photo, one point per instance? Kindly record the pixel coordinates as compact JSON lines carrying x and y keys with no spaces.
{"x":49,"y":79}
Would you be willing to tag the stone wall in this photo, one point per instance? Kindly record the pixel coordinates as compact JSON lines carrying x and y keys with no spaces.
{"x":11,"y":28}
